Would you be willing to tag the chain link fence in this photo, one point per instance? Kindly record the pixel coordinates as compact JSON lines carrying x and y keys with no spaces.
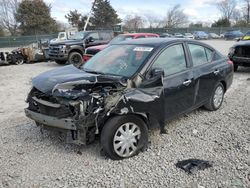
{"x":18,"y":41}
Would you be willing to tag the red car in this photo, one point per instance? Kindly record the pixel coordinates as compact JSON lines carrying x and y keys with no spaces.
{"x":91,"y":51}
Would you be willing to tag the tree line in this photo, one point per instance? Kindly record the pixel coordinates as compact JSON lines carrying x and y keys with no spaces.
{"x":32,"y":17}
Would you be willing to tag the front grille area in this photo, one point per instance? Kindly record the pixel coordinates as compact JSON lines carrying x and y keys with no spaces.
{"x":62,"y":112}
{"x":243,"y":51}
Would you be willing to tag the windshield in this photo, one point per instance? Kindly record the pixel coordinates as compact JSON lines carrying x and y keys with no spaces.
{"x":120,"y":38}
{"x":78,"y":36}
{"x":118,"y":60}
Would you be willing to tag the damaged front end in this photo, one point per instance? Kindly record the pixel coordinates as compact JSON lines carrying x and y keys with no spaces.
{"x":81,"y":108}
{"x":77,"y":107}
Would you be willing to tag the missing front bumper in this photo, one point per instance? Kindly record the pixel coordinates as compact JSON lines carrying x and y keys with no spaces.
{"x":63,"y":123}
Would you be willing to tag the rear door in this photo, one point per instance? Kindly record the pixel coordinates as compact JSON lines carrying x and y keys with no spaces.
{"x":179,"y":84}
{"x":205,"y":70}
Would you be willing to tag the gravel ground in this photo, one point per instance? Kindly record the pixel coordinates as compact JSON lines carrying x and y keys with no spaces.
{"x":29,"y":158}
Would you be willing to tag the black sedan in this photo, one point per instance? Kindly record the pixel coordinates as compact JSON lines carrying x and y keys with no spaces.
{"x":128,"y":88}
{"x":240,"y":54}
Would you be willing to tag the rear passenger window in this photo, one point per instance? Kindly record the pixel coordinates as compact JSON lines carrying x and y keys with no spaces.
{"x":172,"y":60}
{"x":105,"y":36}
{"x":198,"y":54}
{"x":140,"y":37}
{"x":152,"y":36}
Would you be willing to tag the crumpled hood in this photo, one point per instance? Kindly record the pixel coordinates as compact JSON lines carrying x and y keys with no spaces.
{"x":46,"y":81}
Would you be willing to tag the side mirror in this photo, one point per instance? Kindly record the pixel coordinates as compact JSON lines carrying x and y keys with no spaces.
{"x":154,"y":78}
{"x":90,"y":39}
{"x":155,"y":72}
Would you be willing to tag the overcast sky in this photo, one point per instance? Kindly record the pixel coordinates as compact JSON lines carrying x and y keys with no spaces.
{"x":197,"y":10}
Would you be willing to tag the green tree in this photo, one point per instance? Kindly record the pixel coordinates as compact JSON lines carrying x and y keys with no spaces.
{"x":104,"y":15}
{"x":34,"y":17}
{"x":223,"y":22}
{"x":76,"y":19}
{"x":73,"y":18}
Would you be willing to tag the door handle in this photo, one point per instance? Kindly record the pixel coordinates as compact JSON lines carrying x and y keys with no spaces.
{"x":187,"y":82}
{"x":216,"y":72}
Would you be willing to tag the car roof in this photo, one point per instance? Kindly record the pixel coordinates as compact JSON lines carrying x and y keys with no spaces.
{"x":157,"y":42}
{"x":139,"y":34}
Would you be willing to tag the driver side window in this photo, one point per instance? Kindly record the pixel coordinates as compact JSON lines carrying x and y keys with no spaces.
{"x":172,"y":60}
{"x":95,"y":36}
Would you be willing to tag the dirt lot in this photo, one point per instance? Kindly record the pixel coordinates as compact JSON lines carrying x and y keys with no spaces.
{"x":29,"y":158}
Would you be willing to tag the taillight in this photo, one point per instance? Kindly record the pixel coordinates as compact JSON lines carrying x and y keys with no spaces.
{"x":230,"y":62}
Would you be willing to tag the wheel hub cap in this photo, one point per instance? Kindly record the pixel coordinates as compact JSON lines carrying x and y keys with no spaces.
{"x":218,"y":96}
{"x":126,"y":139}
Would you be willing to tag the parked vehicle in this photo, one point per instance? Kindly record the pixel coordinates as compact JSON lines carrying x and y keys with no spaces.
{"x":213,"y":36}
{"x":239,"y":53}
{"x":91,"y":51}
{"x":127,"y":89}
{"x":188,"y":36}
{"x":178,"y":35}
{"x":246,"y":36}
{"x":166,"y":35}
{"x":34,"y":52}
{"x":73,"y":50}
{"x":65,"y":35}
{"x":200,"y":35}
{"x":14,"y":57}
{"x":230,"y":35}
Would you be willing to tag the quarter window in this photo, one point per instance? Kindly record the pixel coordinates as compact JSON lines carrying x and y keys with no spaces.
{"x":200,"y":55}
{"x":172,"y":60}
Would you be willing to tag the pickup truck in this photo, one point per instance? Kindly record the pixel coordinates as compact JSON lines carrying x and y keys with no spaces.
{"x":72,"y":50}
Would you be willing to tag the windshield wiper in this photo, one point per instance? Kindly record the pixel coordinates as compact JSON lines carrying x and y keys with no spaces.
{"x":92,"y":71}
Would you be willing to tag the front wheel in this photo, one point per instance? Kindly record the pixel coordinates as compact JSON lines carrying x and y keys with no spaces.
{"x":216,"y":99}
{"x":76,"y":59}
{"x":124,"y":136}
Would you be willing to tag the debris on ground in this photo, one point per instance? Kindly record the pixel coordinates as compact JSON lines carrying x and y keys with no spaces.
{"x":192,"y":165}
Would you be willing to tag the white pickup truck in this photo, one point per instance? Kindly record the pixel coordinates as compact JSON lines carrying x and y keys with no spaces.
{"x":65,"y":35}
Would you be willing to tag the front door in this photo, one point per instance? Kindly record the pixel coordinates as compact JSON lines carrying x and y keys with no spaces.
{"x":179,"y":84}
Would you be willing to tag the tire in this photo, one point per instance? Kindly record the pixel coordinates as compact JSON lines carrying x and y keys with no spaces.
{"x":112,"y":132}
{"x":75,"y":58}
{"x":60,"y":62}
{"x":236,"y":68}
{"x":213,"y":103}
{"x":19,"y":61}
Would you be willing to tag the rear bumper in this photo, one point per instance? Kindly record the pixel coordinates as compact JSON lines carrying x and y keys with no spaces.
{"x":63,"y":123}
{"x":242,"y":61}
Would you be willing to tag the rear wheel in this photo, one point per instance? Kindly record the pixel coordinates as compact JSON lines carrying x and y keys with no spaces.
{"x":75,"y":58}
{"x":60,"y":62}
{"x":124,"y":136}
{"x":216,"y":99}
